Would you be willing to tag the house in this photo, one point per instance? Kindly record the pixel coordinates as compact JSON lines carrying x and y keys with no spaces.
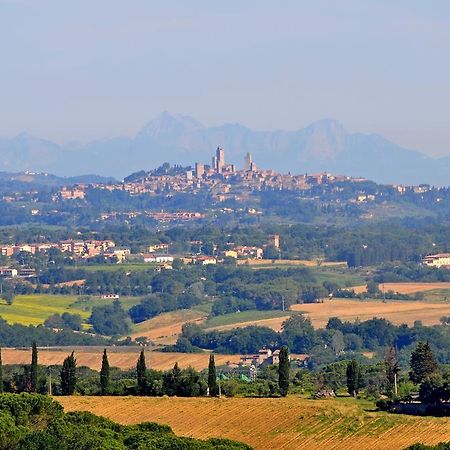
{"x":164,"y":259}
{"x":439,"y":260}
{"x":120,"y":253}
{"x":149,"y":257}
{"x":204,"y":260}
{"x":164,"y":266}
{"x":72,"y":194}
{"x":7,"y":250}
{"x":26,"y":272}
{"x":158,"y":247}
{"x":110,"y":296}
{"x":8,"y":272}
{"x":244,"y":251}
{"x":267,"y":357}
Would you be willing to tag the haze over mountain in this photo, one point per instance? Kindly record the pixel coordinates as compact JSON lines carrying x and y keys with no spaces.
{"x":322,"y":146}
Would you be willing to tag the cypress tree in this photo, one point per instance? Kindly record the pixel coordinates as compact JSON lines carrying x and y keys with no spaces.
{"x":34,"y":368}
{"x":68,"y":375}
{"x":104,"y":374}
{"x":175,"y":379}
{"x":423,"y":363}
{"x":283,"y":371}
{"x":212,"y":377}
{"x":1,"y":372}
{"x":392,"y":370}
{"x":353,"y":378}
{"x":141,"y":371}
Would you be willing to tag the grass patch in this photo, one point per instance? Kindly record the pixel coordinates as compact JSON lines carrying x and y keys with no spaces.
{"x":437,"y":295}
{"x":342,"y":277}
{"x":244,"y":316}
{"x":135,"y":267}
{"x":86,"y":304}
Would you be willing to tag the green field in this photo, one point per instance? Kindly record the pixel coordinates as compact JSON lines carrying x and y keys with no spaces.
{"x":342,"y":277}
{"x":437,"y":295}
{"x":135,"y":267}
{"x":244,"y":316}
{"x":35,"y":309}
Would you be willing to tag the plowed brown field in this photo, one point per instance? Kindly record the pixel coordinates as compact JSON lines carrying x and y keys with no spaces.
{"x":122,"y":359}
{"x":397,"y":312}
{"x":289,"y":423}
{"x":406,"y":288}
{"x":165,"y":328}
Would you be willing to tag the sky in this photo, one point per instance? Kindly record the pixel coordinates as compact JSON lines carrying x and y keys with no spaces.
{"x":88,"y":69}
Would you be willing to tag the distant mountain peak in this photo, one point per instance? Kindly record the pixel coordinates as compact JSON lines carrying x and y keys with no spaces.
{"x":329,"y":125}
{"x":324,"y":145}
{"x":166,"y":123}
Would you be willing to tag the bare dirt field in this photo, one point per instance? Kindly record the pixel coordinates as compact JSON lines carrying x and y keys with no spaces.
{"x":406,"y":288}
{"x":289,"y":423}
{"x":123,"y":359}
{"x":165,"y":328}
{"x":397,"y":312}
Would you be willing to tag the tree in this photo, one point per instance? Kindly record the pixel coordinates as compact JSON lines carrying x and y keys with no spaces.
{"x":392,"y":370}
{"x":110,"y":320}
{"x":283,"y":371}
{"x":104,"y":374}
{"x":34,"y":368}
{"x":1,"y":372}
{"x":271,"y":252}
{"x":431,"y":389}
{"x":172,"y":381}
{"x":337,"y":342}
{"x":8,"y":296}
{"x":423,"y":363}
{"x":68,"y":375}
{"x":353,"y":378}
{"x":298,"y":333}
{"x":141,"y":371}
{"x":212,"y":377}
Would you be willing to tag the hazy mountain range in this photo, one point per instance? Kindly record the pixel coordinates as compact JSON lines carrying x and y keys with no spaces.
{"x":322,"y":146}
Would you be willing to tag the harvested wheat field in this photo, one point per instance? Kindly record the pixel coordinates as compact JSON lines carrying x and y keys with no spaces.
{"x":92,"y":357}
{"x":397,"y":312}
{"x":289,"y":423}
{"x":406,"y":288}
{"x":165,"y":328}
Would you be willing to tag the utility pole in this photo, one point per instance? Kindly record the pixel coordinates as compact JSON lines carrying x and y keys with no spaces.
{"x":395,"y":384}
{"x":49,"y":381}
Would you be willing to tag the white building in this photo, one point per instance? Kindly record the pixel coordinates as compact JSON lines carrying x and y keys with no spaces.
{"x":438,"y":260}
{"x":163,"y":259}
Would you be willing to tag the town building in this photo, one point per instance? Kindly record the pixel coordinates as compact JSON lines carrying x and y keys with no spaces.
{"x":199,"y":170}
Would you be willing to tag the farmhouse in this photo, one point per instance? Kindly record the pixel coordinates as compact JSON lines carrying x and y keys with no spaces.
{"x":8,"y":272}
{"x":438,"y":260}
{"x":204,"y":260}
{"x":149,"y":257}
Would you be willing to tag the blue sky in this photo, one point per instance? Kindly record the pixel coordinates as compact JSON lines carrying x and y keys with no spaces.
{"x":90,"y":69}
